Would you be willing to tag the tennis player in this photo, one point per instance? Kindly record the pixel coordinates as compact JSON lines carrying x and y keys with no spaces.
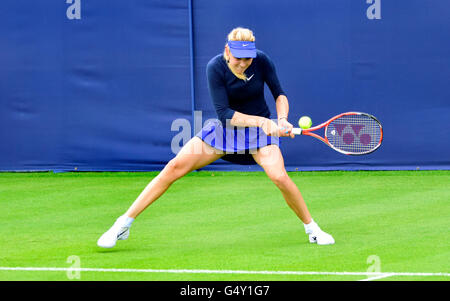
{"x":243,"y":133}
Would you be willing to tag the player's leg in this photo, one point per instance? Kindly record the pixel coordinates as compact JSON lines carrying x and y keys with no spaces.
{"x":194,"y":155}
{"x":271,"y":160}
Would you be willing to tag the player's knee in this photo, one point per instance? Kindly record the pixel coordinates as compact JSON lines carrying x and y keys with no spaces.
{"x":280,"y":179}
{"x":175,"y":169}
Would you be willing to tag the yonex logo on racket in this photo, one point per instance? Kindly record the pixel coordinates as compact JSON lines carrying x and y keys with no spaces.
{"x":348,"y":137}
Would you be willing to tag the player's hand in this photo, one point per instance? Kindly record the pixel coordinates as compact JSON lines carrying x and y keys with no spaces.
{"x":270,"y":128}
{"x":285,"y":128}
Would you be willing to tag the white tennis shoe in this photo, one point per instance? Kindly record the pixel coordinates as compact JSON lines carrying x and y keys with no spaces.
{"x":317,"y":236}
{"x":118,"y":231}
{"x":321,"y":238}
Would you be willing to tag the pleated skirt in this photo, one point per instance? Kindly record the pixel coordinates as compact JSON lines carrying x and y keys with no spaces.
{"x":238,"y":143}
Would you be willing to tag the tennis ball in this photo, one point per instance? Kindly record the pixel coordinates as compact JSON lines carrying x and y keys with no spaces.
{"x":305,"y":122}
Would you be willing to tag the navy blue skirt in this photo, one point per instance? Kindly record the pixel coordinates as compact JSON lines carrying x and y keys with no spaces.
{"x":238,"y":143}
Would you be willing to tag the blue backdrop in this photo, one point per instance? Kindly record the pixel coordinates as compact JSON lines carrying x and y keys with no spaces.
{"x":112,"y":85}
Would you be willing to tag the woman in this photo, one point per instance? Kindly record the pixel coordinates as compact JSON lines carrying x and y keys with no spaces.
{"x":243,"y":133}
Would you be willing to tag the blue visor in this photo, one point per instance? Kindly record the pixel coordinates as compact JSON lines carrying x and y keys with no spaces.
{"x":242,"y":49}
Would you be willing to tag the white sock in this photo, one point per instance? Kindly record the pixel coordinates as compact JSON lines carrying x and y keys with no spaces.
{"x":311,"y":227}
{"x":127,"y":220}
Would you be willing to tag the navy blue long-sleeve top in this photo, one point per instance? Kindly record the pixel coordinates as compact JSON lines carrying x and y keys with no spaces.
{"x":230,"y":94}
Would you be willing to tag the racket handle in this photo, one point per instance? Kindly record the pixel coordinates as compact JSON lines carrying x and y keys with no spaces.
{"x":297,"y":131}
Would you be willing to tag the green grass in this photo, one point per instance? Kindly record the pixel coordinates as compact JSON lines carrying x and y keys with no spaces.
{"x":226,"y":221}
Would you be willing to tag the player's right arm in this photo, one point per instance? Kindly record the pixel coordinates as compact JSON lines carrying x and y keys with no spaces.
{"x":269,"y":127}
{"x":218,"y":93}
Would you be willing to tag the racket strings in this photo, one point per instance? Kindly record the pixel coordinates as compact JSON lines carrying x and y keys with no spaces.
{"x":355,"y":134}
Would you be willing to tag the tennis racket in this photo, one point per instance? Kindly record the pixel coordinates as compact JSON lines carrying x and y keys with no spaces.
{"x":351,"y":133}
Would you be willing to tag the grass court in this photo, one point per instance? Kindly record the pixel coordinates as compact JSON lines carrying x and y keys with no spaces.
{"x":226,"y":226}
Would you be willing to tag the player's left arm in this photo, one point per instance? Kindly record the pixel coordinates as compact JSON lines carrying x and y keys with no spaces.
{"x":282,"y":105}
{"x":281,"y":101}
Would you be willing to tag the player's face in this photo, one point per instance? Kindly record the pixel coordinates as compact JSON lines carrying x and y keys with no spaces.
{"x":239,"y":64}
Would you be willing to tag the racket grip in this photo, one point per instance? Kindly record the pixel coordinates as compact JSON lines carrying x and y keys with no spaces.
{"x":297,"y":131}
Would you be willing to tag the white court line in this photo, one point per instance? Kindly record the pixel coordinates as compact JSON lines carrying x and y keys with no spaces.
{"x":376,"y":275}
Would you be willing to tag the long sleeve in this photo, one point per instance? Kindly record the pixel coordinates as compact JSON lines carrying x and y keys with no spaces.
{"x":270,"y":76}
{"x":218,"y":93}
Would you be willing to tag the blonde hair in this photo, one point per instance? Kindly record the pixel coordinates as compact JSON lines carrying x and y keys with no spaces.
{"x":241,"y":34}
{"x":238,"y":34}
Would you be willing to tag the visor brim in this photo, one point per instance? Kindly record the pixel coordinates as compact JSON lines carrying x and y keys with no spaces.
{"x":243,"y":53}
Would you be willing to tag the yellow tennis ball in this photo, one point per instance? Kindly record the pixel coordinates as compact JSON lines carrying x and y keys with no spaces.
{"x":305,"y":122}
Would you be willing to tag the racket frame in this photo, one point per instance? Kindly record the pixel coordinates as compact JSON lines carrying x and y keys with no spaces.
{"x":308,"y":132}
